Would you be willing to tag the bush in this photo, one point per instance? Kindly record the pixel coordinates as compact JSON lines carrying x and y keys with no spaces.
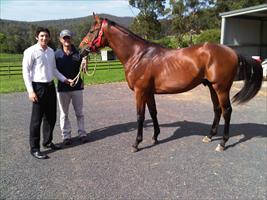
{"x":168,"y":41}
{"x":210,"y":35}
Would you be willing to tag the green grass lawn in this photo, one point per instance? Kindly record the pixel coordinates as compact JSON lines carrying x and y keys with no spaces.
{"x":14,"y":83}
{"x":8,"y":55}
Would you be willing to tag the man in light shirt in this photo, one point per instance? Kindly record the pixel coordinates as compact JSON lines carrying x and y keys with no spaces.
{"x":39,"y":70}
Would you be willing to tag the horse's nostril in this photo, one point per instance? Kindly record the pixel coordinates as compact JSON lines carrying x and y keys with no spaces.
{"x":81,"y":53}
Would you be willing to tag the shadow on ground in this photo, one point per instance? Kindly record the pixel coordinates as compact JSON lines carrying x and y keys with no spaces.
{"x":184,"y":129}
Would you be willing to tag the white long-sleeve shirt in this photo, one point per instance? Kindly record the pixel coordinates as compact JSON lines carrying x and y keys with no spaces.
{"x":39,"y":65}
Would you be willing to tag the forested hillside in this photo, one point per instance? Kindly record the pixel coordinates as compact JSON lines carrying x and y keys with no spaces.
{"x":15,"y":36}
{"x":180,"y":24}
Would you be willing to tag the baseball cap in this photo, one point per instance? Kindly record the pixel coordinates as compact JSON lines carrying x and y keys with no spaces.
{"x":64,"y":33}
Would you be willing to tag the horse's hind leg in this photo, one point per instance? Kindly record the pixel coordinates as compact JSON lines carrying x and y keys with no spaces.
{"x":153,"y":113}
{"x":227,"y":111}
{"x":217,"y":114}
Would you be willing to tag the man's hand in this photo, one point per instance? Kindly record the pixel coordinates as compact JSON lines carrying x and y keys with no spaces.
{"x":84,"y":64}
{"x":68,"y":81}
{"x":33,"y":97}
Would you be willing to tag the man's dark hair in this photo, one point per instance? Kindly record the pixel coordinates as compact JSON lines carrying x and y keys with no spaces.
{"x":42,"y":29}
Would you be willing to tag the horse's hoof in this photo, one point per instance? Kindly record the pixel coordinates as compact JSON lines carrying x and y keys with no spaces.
{"x":155,"y":142}
{"x":219,"y":148}
{"x":134,"y":149}
{"x":206,"y":139}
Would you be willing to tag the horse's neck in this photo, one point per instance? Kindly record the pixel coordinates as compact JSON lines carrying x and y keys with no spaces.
{"x":123,"y":43}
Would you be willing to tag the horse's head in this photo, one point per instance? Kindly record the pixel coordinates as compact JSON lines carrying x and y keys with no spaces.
{"x":94,"y":39}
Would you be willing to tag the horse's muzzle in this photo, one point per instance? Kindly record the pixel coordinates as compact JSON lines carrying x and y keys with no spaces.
{"x":84,"y":52}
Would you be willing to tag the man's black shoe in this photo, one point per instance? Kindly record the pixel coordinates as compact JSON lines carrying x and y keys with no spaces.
{"x":52,"y":146}
{"x":38,"y":155}
{"x":67,"y":141}
{"x":83,"y":139}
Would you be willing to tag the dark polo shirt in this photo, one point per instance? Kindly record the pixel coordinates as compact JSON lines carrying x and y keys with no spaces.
{"x":69,"y":66}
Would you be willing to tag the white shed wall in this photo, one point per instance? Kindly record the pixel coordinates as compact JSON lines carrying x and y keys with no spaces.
{"x":104,"y":55}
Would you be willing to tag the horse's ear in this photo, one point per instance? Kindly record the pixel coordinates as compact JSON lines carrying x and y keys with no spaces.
{"x":96,"y":17}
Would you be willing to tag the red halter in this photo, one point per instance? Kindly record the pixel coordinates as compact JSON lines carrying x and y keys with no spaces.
{"x":96,"y":43}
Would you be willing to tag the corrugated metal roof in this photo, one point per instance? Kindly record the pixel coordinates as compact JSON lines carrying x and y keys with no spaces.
{"x":257,"y":11}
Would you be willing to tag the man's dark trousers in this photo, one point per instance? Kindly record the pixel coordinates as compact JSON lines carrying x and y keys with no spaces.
{"x":43,"y":110}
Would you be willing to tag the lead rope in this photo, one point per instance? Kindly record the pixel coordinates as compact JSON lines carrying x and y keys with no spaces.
{"x":83,"y":68}
{"x":93,"y":73}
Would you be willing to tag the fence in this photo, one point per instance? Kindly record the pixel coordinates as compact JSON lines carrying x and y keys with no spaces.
{"x":15,"y":68}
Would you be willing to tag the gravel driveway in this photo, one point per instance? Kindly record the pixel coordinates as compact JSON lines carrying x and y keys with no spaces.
{"x":179,"y":167}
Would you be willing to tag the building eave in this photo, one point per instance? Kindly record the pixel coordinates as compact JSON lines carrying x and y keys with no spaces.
{"x":244,"y":11}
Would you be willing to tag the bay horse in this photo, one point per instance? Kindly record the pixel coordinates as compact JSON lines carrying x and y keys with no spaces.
{"x":152,"y":69}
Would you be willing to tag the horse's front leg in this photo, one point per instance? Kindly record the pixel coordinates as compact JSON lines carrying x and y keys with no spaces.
{"x":153,"y":113}
{"x":140,"y":110}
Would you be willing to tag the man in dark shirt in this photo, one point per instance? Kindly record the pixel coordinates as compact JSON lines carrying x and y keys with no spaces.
{"x":68,"y":63}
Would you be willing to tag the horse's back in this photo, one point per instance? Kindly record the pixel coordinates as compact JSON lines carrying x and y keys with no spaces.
{"x":177,"y":70}
{"x":183,"y":69}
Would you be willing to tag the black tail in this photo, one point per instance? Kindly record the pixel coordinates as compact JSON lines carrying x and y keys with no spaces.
{"x":252,"y":72}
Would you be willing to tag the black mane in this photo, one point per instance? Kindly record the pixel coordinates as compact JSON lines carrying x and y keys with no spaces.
{"x":129,"y":32}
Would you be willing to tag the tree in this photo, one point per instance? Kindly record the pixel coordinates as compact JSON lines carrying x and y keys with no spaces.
{"x":146,"y":23}
{"x":194,"y":16}
{"x":185,"y":17}
{"x":3,"y":43}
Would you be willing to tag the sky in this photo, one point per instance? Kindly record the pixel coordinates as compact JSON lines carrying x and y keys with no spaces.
{"x":39,"y":10}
